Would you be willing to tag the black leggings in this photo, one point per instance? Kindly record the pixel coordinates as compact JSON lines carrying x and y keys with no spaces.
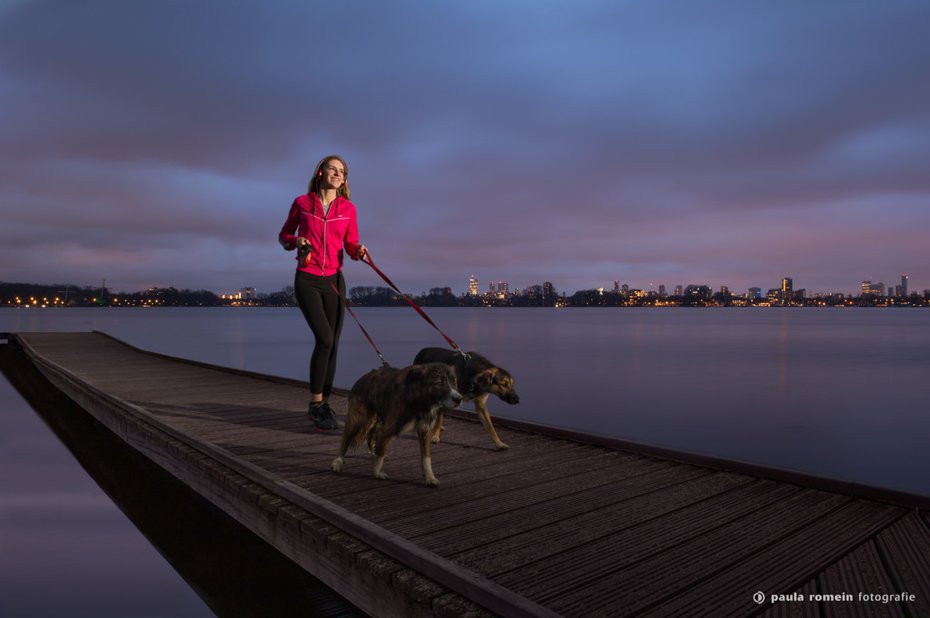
{"x":323,"y":309}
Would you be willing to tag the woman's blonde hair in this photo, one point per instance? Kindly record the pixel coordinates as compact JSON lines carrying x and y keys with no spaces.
{"x":314,"y":186}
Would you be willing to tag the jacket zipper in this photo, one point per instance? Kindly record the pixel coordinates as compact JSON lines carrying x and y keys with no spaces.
{"x":325,"y":240}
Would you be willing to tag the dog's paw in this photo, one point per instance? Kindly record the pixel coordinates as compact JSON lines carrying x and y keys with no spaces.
{"x":501,"y":446}
{"x":434,"y":439}
{"x":337,"y":464}
{"x":432,"y":482}
{"x":381,"y":476}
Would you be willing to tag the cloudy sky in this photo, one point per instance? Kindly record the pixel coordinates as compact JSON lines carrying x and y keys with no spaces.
{"x":161,"y":142}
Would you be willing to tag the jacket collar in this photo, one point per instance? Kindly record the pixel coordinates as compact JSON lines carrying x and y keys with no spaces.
{"x":317,"y":204}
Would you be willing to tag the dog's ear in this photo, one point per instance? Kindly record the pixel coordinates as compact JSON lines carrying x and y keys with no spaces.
{"x":484,"y":380}
{"x":415,"y":374}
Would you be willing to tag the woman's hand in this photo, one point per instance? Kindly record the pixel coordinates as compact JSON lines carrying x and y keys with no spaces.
{"x":362,"y":252}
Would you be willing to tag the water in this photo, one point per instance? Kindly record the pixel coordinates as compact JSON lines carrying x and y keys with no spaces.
{"x":833,"y":392}
{"x":65,"y":549}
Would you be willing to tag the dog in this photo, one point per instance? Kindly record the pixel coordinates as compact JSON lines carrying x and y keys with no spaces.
{"x":477,"y":377}
{"x":387,"y":401}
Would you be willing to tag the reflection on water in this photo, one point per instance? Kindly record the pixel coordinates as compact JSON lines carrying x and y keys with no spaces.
{"x":835,"y":392}
{"x":68,"y":552}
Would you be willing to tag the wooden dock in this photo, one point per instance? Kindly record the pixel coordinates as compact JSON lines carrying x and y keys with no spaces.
{"x":559,"y":524}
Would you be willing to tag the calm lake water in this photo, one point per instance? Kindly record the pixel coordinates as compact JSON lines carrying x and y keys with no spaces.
{"x":834,"y":392}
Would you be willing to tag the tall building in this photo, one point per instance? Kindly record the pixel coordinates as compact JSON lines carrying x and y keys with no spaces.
{"x":873,"y":289}
{"x":678,"y":290}
{"x":755,"y":292}
{"x":503,"y":287}
{"x":616,"y":287}
{"x":473,"y":285}
{"x":787,"y":290}
{"x":625,"y":288}
{"x":491,"y":289}
{"x":548,"y":289}
{"x":247,"y":293}
{"x":904,"y":285}
{"x":661,"y":291}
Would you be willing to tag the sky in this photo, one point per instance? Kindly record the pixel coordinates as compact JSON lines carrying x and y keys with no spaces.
{"x":161,"y":142}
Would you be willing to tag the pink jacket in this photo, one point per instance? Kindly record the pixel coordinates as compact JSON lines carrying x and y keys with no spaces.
{"x":328,"y":234}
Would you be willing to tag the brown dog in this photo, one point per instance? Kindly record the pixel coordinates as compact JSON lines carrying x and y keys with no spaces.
{"x":387,"y":401}
{"x":477,"y":378}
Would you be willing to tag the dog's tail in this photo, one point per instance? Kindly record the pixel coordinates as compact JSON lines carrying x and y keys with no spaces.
{"x":359,"y":423}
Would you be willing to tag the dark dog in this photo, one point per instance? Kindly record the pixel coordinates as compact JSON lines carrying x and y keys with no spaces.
{"x":387,"y":401}
{"x":477,"y":378}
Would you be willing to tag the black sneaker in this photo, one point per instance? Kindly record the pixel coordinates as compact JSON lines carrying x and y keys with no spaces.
{"x":323,"y":417}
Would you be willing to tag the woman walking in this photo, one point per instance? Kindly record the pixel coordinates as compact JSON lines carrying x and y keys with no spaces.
{"x":322,"y":226}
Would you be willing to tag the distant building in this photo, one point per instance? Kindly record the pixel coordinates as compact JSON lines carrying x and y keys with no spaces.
{"x":873,"y":289}
{"x":903,"y":285}
{"x":755,"y":293}
{"x":661,"y":291}
{"x":247,"y":293}
{"x":616,"y":287}
{"x":548,"y":289}
{"x":678,"y":290}
{"x":503,"y":287}
{"x":624,"y":289}
{"x":473,"y":285}
{"x":724,"y":290}
{"x":786,"y":293}
{"x":698,"y":291}
{"x":491,"y":289}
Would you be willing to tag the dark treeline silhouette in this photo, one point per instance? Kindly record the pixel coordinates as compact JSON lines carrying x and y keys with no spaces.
{"x":66,"y":295}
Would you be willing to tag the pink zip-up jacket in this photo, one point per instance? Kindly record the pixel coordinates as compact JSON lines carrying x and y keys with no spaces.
{"x":328,"y":234}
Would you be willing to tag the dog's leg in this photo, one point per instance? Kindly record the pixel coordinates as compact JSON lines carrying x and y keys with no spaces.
{"x":425,"y":433}
{"x":435,"y":437}
{"x":481,"y":405}
{"x":349,"y":433}
{"x":371,"y":435}
{"x":381,"y":447}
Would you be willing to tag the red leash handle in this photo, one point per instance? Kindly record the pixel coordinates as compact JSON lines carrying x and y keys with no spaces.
{"x":367,"y":259}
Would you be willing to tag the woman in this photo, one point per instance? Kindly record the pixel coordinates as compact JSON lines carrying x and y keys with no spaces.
{"x":324,"y":222}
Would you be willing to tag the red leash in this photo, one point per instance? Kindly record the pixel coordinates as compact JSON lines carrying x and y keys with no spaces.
{"x":364,"y":332}
{"x":367,"y":259}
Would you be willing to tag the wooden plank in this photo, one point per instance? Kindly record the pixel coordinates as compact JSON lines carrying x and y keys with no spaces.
{"x":905,"y":547}
{"x":523,"y":484}
{"x":609,"y":576}
{"x":513,"y":539}
{"x":860,"y":571}
{"x":784,"y":562}
{"x":805,"y":607}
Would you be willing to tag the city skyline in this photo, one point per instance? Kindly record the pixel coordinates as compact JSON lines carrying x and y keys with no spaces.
{"x":650,"y":142}
{"x":473,"y":287}
{"x":661,"y":288}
